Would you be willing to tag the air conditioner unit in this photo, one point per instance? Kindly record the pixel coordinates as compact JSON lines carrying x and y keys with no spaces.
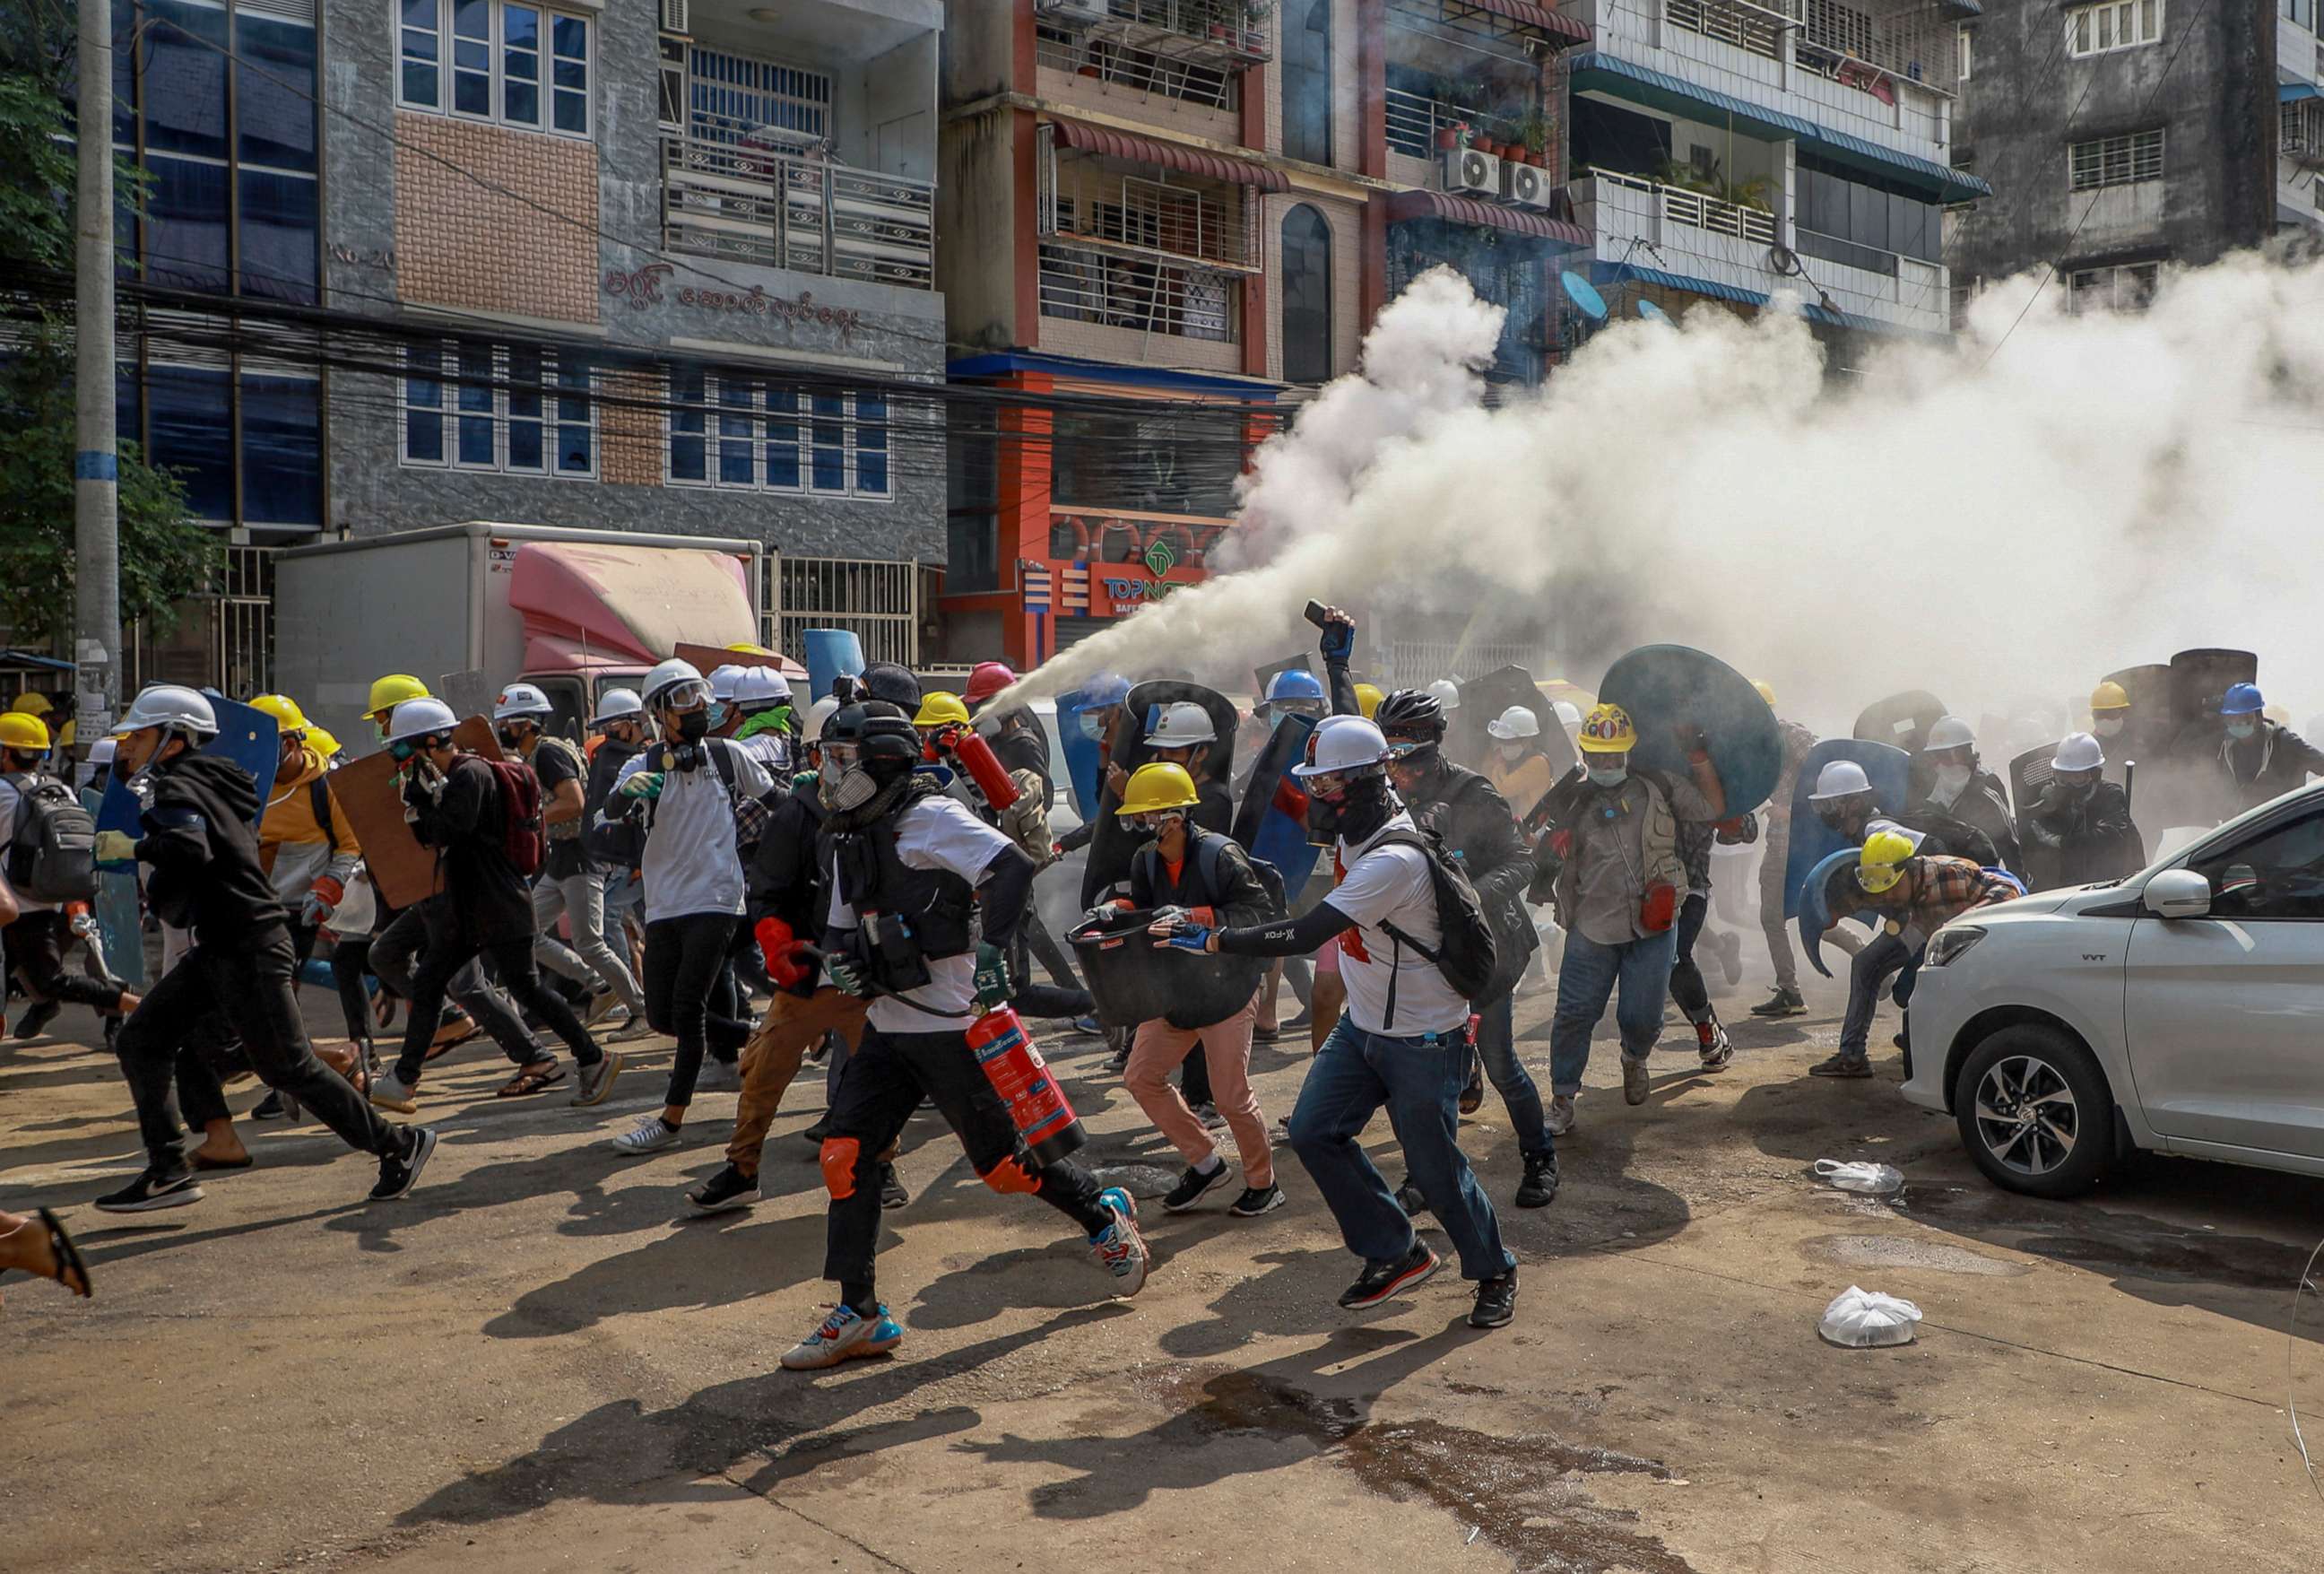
{"x":1524,"y":185}
{"x":673,"y":15}
{"x":1083,"y":13}
{"x":1467,"y":170}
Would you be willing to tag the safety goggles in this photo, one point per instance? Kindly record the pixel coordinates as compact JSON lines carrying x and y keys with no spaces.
{"x":839,"y":754}
{"x":1152,"y":822}
{"x":1308,"y":707}
{"x":685,"y":695}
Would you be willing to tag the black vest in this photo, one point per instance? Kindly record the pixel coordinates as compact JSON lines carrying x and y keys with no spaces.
{"x":939,"y":905}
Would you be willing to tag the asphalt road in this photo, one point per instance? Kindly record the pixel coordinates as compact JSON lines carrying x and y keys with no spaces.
{"x":536,"y":1363}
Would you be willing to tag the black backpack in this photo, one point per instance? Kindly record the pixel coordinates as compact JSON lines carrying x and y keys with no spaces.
{"x":53,"y":850}
{"x":1467,"y":955}
{"x":1209,"y":848}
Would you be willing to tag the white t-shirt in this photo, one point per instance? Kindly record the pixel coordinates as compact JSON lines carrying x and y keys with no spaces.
{"x":1391,"y":885}
{"x":691,"y":862}
{"x":935,"y":833}
{"x":770,"y":749}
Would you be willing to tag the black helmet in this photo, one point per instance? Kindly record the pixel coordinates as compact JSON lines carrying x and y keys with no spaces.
{"x":887,"y":739}
{"x":1413,"y":712}
{"x":842,"y":726}
{"x":896,"y":685}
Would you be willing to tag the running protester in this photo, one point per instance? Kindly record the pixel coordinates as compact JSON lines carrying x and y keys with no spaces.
{"x":42,"y":932}
{"x":910,"y":869}
{"x":195,"y":835}
{"x":1403,"y":1042}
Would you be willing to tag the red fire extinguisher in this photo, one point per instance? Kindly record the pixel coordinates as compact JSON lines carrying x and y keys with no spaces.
{"x":977,"y":761}
{"x":1014,"y":1067}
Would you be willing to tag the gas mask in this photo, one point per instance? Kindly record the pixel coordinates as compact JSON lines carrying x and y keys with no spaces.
{"x":693,"y":727}
{"x":1348,"y":807}
{"x":842,"y":782}
{"x":1951,"y":781}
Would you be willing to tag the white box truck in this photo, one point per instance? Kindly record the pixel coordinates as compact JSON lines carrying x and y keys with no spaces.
{"x":575,"y":611}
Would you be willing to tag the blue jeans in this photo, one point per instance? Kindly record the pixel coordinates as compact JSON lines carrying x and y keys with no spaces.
{"x":1419,"y":1080}
{"x":1886,"y":953}
{"x":1586,"y":979}
{"x":1497,"y":1047}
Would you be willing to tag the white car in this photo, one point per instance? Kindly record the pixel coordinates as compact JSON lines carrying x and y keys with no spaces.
{"x":2180,"y":1011}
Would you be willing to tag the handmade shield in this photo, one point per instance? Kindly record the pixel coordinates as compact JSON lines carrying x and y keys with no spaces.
{"x":1901,"y":720}
{"x":1812,"y":841}
{"x":1132,"y":980}
{"x":1820,"y":892}
{"x":1263,"y":676}
{"x":366,"y":791}
{"x":1272,"y":822}
{"x":248,"y":737}
{"x":469,"y":693}
{"x":831,"y":652}
{"x":1662,"y":686}
{"x":1482,"y":699}
{"x":1081,"y":751}
{"x":2200,"y":678}
{"x":1110,"y":846}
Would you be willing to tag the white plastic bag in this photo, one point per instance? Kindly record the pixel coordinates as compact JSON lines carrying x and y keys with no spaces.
{"x":1861,"y":1319}
{"x":1874,"y":1180}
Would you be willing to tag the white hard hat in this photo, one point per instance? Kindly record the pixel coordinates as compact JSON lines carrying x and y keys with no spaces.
{"x":2078,"y":751}
{"x":1951,"y":732}
{"x":824,"y":709}
{"x":760,"y":686}
{"x":419,"y":719}
{"x":100,"y":753}
{"x":614,"y":704}
{"x":521,"y":699}
{"x":1343,"y":743}
{"x":1568,"y":713}
{"x":722,"y":678}
{"x":169,"y":705}
{"x":1447,"y":692}
{"x":1516,"y":722}
{"x":669,"y":675}
{"x":1182,"y":724}
{"x":1839,"y":779}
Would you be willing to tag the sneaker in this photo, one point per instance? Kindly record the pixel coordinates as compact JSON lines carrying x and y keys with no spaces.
{"x":818,"y":1131}
{"x":1711,"y":1044}
{"x":36,"y":1019}
{"x":1411,"y":1199}
{"x":719,"y":1077}
{"x":1090,"y":1025}
{"x":1208,"y":1113}
{"x":389,"y":1091}
{"x":268,"y":1108}
{"x":1256,"y":1200}
{"x":1635,"y":1086}
{"x":1782,"y":1002}
{"x":1728,"y":943}
{"x":1120,"y":1249}
{"x":400,"y":1172}
{"x":1379,"y":1280}
{"x":1299,"y":1024}
{"x":844,"y":1336}
{"x":156,"y":1187}
{"x":1193,"y":1184}
{"x":893,"y":1193}
{"x":652,"y":1134}
{"x":1559,"y":1117}
{"x":592,"y":1084}
{"x":630,"y":1032}
{"x":1472,"y":1093}
{"x":1846,"y":1067}
{"x":1497,"y":1300}
{"x":1539,"y":1189}
{"x":730,"y":1188}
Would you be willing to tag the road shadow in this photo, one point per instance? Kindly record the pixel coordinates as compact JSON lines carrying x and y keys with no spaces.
{"x":682,"y":1269}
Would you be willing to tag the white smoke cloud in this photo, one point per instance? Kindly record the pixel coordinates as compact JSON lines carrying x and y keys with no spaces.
{"x":2014,"y":512}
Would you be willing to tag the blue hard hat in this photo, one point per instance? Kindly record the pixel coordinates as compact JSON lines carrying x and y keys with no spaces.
{"x":1295,"y":683}
{"x":1105,"y":688}
{"x":2241,"y":699}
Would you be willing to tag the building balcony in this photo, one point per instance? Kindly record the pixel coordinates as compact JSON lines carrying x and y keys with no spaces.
{"x":1209,"y":35}
{"x":779,"y":201}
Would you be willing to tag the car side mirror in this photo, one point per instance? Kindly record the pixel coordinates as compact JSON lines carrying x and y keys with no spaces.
{"x":2178,"y":893}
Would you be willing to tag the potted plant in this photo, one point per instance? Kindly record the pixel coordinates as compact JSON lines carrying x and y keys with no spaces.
{"x":1534,"y":130}
{"x":1450,"y":136}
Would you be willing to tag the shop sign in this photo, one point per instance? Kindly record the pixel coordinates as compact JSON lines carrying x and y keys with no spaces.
{"x":642,"y":287}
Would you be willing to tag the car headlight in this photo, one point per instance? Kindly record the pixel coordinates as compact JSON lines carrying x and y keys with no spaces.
{"x":1950,"y":943}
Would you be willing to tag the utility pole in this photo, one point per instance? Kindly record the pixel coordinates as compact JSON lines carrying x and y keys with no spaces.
{"x":96,"y":501}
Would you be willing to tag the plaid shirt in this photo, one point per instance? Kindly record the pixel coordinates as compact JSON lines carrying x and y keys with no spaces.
{"x":1942,"y":888}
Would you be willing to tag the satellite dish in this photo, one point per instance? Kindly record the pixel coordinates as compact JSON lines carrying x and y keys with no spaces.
{"x":1651,"y":312}
{"x":1579,"y":290}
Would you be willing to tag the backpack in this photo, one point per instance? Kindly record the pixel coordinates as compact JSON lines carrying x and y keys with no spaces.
{"x":751,"y":814}
{"x":1209,"y":847}
{"x":52,"y":851}
{"x":1468,"y":954}
{"x":522,"y":842}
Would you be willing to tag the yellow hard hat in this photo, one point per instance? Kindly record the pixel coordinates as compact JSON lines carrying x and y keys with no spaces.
{"x":288,"y":717}
{"x":65,"y":735}
{"x":941,"y":708}
{"x":1157,"y":787}
{"x":2109,"y":696}
{"x":1766,"y":691}
{"x":1367,"y":698}
{"x":322,"y":742}
{"x":1607,"y":730}
{"x":1882,"y":863}
{"x":30,"y":703}
{"x":388,"y":692}
{"x":21,"y":729}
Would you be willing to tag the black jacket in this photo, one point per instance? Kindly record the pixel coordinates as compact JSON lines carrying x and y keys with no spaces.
{"x":783,"y":879}
{"x":1947,"y":836}
{"x":2077,"y":841}
{"x":484,"y":900}
{"x":1242,"y":901}
{"x":198,"y":839}
{"x":1984,"y":806}
{"x":1473,"y":820}
{"x":2269,"y":764}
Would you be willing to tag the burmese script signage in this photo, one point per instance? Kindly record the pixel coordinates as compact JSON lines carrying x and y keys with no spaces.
{"x":646,"y":286}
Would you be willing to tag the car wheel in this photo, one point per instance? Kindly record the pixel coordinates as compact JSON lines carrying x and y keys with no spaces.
{"x":2034,"y":1112}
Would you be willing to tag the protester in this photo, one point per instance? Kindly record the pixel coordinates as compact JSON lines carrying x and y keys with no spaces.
{"x":32,"y":800}
{"x":761,"y":719}
{"x":1518,"y":768}
{"x":2259,"y":758}
{"x":2080,"y":831}
{"x":1960,"y":786}
{"x":1775,"y":861}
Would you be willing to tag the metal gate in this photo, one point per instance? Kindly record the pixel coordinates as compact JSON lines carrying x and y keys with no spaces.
{"x":881,"y":599}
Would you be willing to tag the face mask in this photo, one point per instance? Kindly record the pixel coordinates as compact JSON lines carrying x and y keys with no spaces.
{"x":402,"y":751}
{"x":716,"y":715}
{"x":1608,"y":776}
{"x":2107,"y":728}
{"x":1512,"y":752}
{"x":1092,"y":727}
{"x":694,"y":727}
{"x":1950,"y":781}
{"x":2075,"y":786}
{"x":2240,"y":730}
{"x":508,"y":736}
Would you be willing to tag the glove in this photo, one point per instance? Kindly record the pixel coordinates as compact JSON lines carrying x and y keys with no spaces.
{"x":323,"y":899}
{"x":992,"y":982}
{"x":646,"y":784}
{"x":789,"y":962}
{"x":846,"y":976}
{"x":1174,"y":926}
{"x":1339,"y":639}
{"x":1207,"y":916}
{"x":1561,"y":844}
{"x":115,"y":847}
{"x":1659,"y":908}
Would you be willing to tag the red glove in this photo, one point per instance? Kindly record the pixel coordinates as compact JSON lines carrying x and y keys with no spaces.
{"x":782,"y":951}
{"x":1561,"y":843}
{"x":1659,"y":908}
{"x":1290,"y":799}
{"x":331,"y":891}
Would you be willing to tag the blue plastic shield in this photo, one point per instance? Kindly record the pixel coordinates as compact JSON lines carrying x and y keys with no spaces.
{"x":830,"y":652}
{"x":1815,"y":911}
{"x":1267,"y":824}
{"x":1812,"y":841}
{"x":248,"y":737}
{"x":1081,"y":753}
{"x":1661,"y":685}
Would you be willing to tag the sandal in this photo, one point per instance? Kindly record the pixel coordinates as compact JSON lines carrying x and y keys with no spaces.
{"x":531,"y":1080}
{"x":67,"y":1257}
{"x":451,"y":1036}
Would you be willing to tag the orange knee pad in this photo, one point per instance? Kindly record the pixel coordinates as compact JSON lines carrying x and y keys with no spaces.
{"x":1014,"y":1176}
{"x":839,"y":1158}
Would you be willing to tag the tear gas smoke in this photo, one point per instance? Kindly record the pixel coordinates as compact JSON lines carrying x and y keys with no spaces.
{"x":2014,"y":512}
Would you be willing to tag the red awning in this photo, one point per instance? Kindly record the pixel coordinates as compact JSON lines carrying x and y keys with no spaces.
{"x":1121,"y":144}
{"x":1526,"y":14}
{"x":1443,"y":205}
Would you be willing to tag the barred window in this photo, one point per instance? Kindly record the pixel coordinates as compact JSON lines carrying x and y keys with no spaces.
{"x":2127,"y":288}
{"x":509,"y":407}
{"x":2117,"y":161}
{"x":745,"y":433}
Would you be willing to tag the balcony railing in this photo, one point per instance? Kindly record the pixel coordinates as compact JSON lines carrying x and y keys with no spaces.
{"x":1413,"y":122}
{"x":1747,"y":27}
{"x":1848,"y":254}
{"x":1229,"y":34}
{"x":1135,"y":68}
{"x":1143,"y":293}
{"x":781,"y":207}
{"x":1913,"y":40}
{"x":1677,"y":205}
{"x":2302,"y":133}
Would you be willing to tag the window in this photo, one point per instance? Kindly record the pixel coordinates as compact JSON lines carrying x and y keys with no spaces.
{"x":744,"y":433}
{"x":518,"y":410}
{"x":282,"y":447}
{"x":2117,"y":161}
{"x":186,"y":405}
{"x":1306,"y":296}
{"x":2303,"y":11}
{"x":1308,"y":80}
{"x":2278,"y":873}
{"x":735,"y":93}
{"x":2094,"y":30}
{"x":496,"y":59}
{"x":1964,"y":52}
{"x":2119,"y":289}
